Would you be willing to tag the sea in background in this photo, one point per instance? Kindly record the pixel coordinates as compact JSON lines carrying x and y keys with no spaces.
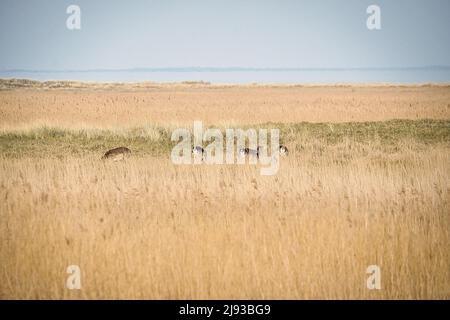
{"x":244,"y":75}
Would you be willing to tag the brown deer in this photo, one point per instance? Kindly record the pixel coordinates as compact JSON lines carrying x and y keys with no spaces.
{"x":117,"y":153}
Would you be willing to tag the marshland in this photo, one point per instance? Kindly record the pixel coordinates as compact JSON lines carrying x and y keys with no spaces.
{"x":366,"y":182}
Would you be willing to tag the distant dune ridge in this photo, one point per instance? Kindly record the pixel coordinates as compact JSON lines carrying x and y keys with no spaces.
{"x":13,"y":83}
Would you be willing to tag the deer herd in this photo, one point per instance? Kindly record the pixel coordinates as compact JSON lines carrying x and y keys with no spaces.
{"x":121,"y":153}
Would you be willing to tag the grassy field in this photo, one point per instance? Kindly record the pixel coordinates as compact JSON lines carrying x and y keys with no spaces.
{"x":80,"y":106}
{"x":367,"y":182}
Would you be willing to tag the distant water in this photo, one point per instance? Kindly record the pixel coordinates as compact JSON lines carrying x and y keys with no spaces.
{"x":301,"y":76}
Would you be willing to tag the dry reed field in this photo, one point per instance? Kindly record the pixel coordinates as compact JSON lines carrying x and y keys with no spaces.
{"x":127,"y":105}
{"x":367,"y":182}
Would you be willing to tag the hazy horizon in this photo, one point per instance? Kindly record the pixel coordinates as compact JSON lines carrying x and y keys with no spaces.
{"x":209,"y":37}
{"x":227,"y":69}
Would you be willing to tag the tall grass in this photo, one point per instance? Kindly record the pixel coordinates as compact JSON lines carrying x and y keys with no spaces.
{"x":145,"y":228}
{"x":155,"y":140}
{"x":132,"y":106}
{"x":354,"y":191}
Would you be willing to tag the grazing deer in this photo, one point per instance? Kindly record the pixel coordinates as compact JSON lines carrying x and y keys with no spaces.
{"x":284,"y":151}
{"x":250,"y":152}
{"x":198,"y":151}
{"x":117,"y":153}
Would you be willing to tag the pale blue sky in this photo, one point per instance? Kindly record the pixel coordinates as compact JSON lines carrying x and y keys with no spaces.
{"x":119,"y":34}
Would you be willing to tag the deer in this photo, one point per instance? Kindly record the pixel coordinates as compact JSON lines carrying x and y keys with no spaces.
{"x":250,"y":152}
{"x":284,"y":151}
{"x":117,"y":154}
